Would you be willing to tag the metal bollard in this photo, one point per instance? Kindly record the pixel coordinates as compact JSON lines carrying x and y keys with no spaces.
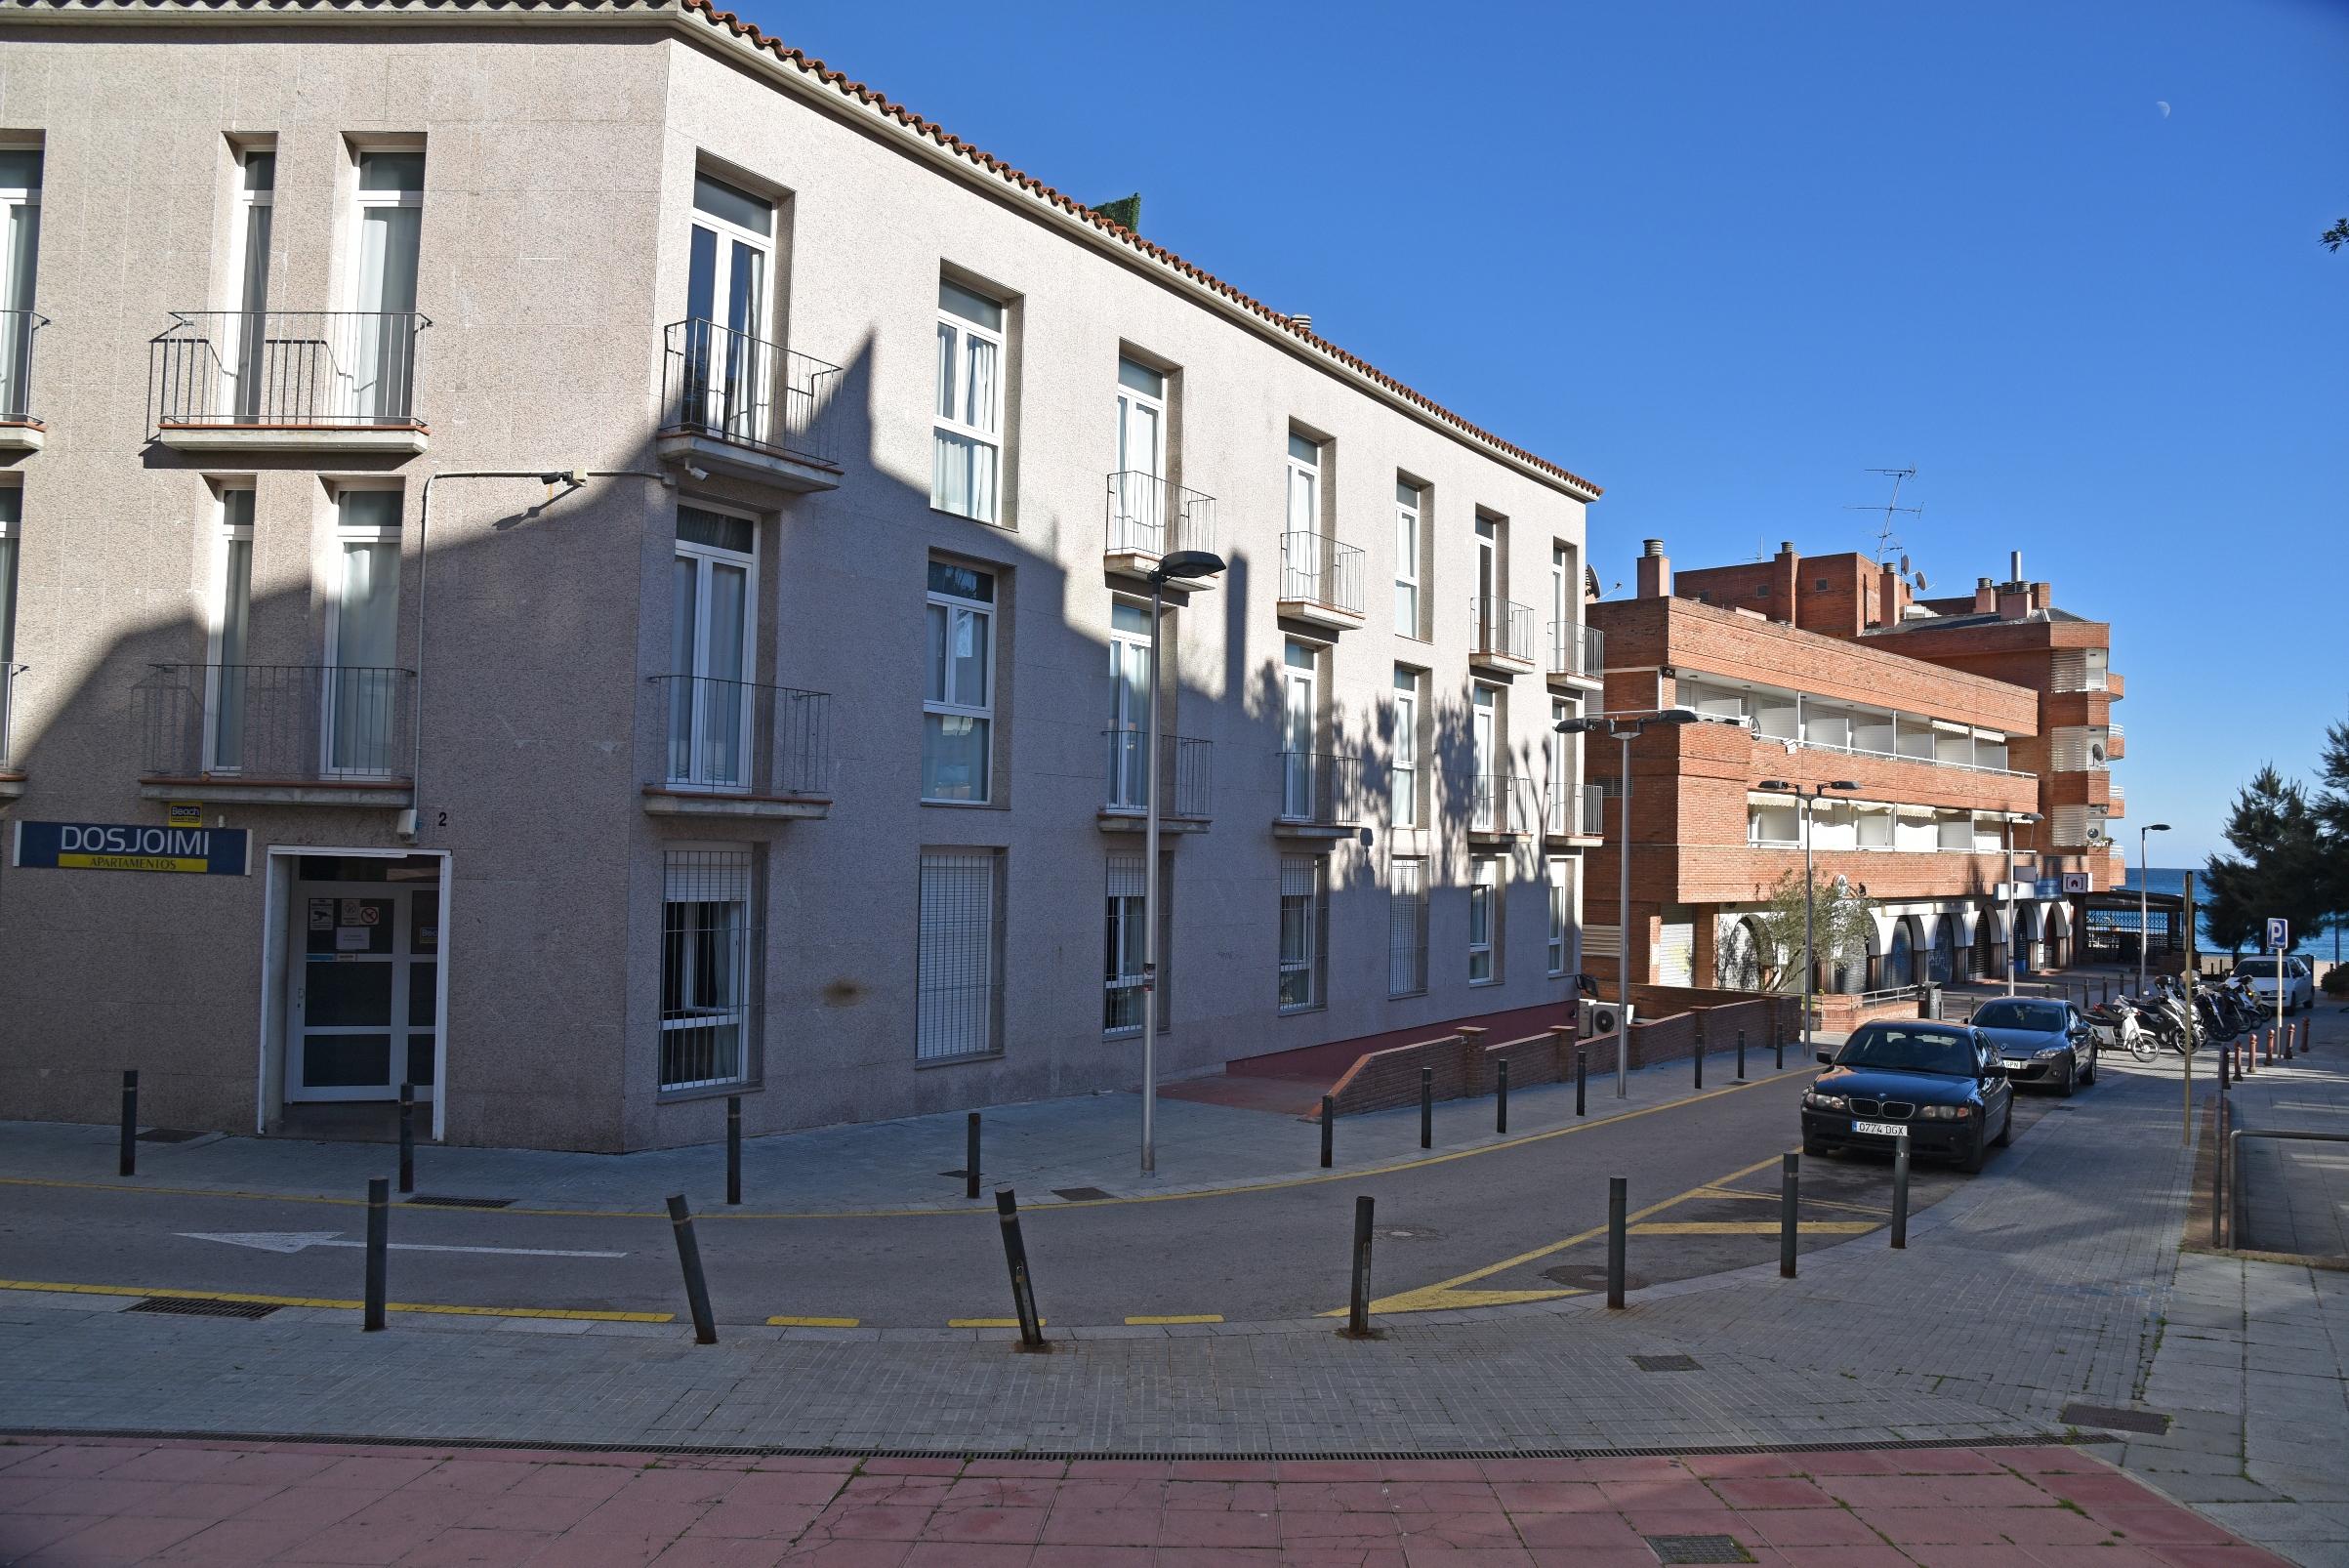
{"x":1900,"y":1195}
{"x":130,"y":1121}
{"x":2218,"y":1170}
{"x":2226,"y":1056}
{"x":1789,"y":1201}
{"x":970,"y":1155}
{"x":1357,"y":1314}
{"x":408,"y":1138}
{"x":688,"y":1258}
{"x":1617,"y":1197}
{"x":1582,"y":1079}
{"x":1778,"y":1052}
{"x":733,"y":1148}
{"x":1500,"y":1100}
{"x":1700,"y":1058}
{"x":1016,"y":1256}
{"x":378,"y":1247}
{"x":1329,"y":1133}
{"x":1426,"y":1107}
{"x":2267,"y":1049}
{"x":1740,"y":1056}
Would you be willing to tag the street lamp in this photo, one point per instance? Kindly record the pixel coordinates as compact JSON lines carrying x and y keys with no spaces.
{"x":1626,"y":728}
{"x":2144,"y":922}
{"x":2012,"y":817}
{"x":1810,"y":960}
{"x":1186,"y":565}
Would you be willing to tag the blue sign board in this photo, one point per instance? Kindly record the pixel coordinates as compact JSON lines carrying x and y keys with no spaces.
{"x":2047,"y":887}
{"x":132,"y":846}
{"x":2279,"y":935}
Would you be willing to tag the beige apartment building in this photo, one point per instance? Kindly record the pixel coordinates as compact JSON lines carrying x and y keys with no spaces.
{"x":574,"y":557}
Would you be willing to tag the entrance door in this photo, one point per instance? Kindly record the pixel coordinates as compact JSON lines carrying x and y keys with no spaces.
{"x":364,"y":1016}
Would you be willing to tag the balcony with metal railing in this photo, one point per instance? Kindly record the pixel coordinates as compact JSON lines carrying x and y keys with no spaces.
{"x":740,"y":749}
{"x":21,"y":429}
{"x":1501,"y":639}
{"x":11,"y":767}
{"x":1185,"y":773}
{"x":1321,"y":796}
{"x":1503,"y":805}
{"x":1578,"y":653}
{"x":288,"y":381}
{"x":735,"y":404}
{"x":1149,"y":517}
{"x":1573,"y":814}
{"x":279,"y":734}
{"x":1321,"y":581}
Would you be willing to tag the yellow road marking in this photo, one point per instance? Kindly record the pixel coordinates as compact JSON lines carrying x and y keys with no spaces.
{"x":1243,"y":1189}
{"x":1180,"y":1317}
{"x":1752,"y":1227}
{"x":439,"y":1308}
{"x":812,"y":1322}
{"x":989,"y":1322}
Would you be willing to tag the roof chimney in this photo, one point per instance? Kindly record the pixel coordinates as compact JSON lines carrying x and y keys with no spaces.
{"x":1304,"y":323}
{"x":2014,"y":565}
{"x":1986,"y":595}
{"x":1655,"y":570}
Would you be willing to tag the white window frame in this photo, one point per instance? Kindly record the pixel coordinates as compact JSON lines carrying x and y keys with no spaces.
{"x":1485,"y":810}
{"x":954,"y":704}
{"x":11,"y":534}
{"x":706,"y":559}
{"x":1403,"y":798}
{"x":1560,"y":870}
{"x":363,"y":202}
{"x":1301,"y":486}
{"x":1314,"y":910}
{"x":737,"y":392}
{"x":948,"y":386}
{"x":226,"y":536}
{"x":245,"y":326}
{"x":1124,"y":914}
{"x":740,"y":932}
{"x":1484,"y":890}
{"x":346,"y":535}
{"x":1410,"y":518}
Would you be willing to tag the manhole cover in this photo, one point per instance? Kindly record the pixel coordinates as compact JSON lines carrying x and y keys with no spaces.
{"x":1081,"y":1194}
{"x":1696,"y":1548}
{"x":168,"y":1135}
{"x":183,"y":1306}
{"x":2115,"y":1420}
{"x":1590,"y":1277}
{"x":435,"y":1201}
{"x":1677,"y":1363}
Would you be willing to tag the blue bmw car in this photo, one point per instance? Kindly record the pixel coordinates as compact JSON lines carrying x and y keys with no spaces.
{"x":1937,"y":1088}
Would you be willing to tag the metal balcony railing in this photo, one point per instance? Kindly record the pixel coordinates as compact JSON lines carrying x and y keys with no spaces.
{"x":1319,"y":788}
{"x":1573,"y":811}
{"x":274,"y":723}
{"x":1503,"y":629}
{"x":731,"y":387}
{"x":1576,"y":649}
{"x":16,"y":329}
{"x":1185,"y":771}
{"x":296,"y":369}
{"x":738,"y":738}
{"x":1150,"y":516}
{"x":10,"y":762}
{"x":1319,"y":570}
{"x":1502,"y":802}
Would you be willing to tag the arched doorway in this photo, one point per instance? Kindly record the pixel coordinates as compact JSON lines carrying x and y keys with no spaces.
{"x":1900,"y":956}
{"x":1943,"y":966}
{"x":1986,"y":943}
{"x":2029,"y":950}
{"x":1737,"y":962}
{"x":2059,"y":935}
{"x":1847,"y":966}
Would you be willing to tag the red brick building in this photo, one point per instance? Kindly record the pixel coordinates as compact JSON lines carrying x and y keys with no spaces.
{"x":1813,"y":658}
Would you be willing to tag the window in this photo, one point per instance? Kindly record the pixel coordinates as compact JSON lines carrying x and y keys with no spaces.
{"x":12,"y":517}
{"x":965,"y":473}
{"x":1301,"y":781}
{"x":1305,"y":940}
{"x":1484,"y":922}
{"x":709,"y":943}
{"x":713,"y":587}
{"x":1773,"y":822}
{"x":230,"y":656}
{"x":958,"y":706}
{"x":1304,"y":485}
{"x":19,"y":254}
{"x":1404,"y":808}
{"x":1128,"y":705}
{"x":363,"y":686}
{"x":1405,"y":927}
{"x":1565,"y":639}
{"x":960,"y":954}
{"x":249,"y":267}
{"x":1559,"y":808}
{"x":728,"y":374}
{"x":390,"y":213}
{"x":1484,"y":813}
{"x":1561,"y":914}
{"x":1407,"y":557}
{"x":1121,"y":957}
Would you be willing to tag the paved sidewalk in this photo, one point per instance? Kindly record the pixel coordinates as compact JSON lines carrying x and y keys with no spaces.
{"x":2296,"y":1195}
{"x":1041,"y":1148}
{"x":231,"y":1505}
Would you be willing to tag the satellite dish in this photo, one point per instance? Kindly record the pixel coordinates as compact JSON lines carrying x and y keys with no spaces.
{"x":1904,"y":566}
{"x":2096,"y":752}
{"x":1921,"y":582}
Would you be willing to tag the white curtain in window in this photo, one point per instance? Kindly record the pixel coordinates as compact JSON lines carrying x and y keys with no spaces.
{"x":367,"y":647}
{"x":388,"y":251}
{"x":23,"y":248}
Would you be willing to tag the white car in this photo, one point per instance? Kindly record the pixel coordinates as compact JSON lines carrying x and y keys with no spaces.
{"x":2299,"y":985}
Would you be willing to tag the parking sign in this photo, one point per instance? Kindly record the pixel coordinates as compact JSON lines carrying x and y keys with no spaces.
{"x":2279,"y":935}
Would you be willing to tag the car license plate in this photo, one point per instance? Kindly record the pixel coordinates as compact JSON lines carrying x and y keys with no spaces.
{"x":2015,"y":1066}
{"x":1880,"y":1129}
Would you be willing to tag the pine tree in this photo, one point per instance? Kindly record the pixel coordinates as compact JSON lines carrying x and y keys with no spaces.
{"x":2279,"y":867}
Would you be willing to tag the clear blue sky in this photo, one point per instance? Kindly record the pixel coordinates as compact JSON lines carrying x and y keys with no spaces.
{"x":1722,"y":259}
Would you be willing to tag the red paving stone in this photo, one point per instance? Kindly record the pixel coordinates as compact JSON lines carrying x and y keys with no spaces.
{"x":103,"y":1502}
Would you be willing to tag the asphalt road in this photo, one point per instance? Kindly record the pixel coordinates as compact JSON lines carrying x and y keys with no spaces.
{"x":1516,"y":1222}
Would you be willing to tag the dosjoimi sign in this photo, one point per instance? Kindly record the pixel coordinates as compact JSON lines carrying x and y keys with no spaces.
{"x":131,"y":846}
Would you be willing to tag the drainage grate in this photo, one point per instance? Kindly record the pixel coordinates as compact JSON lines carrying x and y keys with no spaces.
{"x":1696,"y":1548}
{"x":1081,"y":1194}
{"x":168,"y":1135}
{"x":2115,"y":1420}
{"x":185,"y":1306}
{"x":1677,"y":1364}
{"x":433,"y":1201}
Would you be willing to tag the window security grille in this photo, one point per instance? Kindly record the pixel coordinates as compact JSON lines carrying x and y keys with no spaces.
{"x":1305,"y":957}
{"x":1406,"y":928}
{"x":959,"y":963}
{"x":710,"y":945}
{"x":1123,"y":946}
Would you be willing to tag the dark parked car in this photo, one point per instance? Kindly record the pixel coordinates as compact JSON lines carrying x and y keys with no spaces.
{"x":2039,"y":1042}
{"x":1938,"y":1088}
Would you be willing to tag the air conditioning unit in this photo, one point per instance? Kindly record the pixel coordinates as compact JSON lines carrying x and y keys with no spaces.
{"x":1603,"y":1018}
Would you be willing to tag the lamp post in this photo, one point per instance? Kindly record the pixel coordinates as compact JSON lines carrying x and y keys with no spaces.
{"x":2144,"y":912}
{"x":2012,"y":817}
{"x":1189,"y":565}
{"x":1804,"y":800}
{"x":1627,"y":727}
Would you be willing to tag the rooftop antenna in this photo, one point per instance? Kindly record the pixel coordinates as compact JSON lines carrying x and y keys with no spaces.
{"x":1886,"y":542}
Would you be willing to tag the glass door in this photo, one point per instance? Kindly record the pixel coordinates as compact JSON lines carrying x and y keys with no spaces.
{"x":362,"y":637}
{"x":1297,"y":709}
{"x":390,"y":223}
{"x":711,"y":719}
{"x":1141,"y":459}
{"x":727,"y":381}
{"x":1128,"y":705}
{"x":244,"y":352}
{"x":364,"y":1013}
{"x":20,"y":250}
{"x":1480,"y":744}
